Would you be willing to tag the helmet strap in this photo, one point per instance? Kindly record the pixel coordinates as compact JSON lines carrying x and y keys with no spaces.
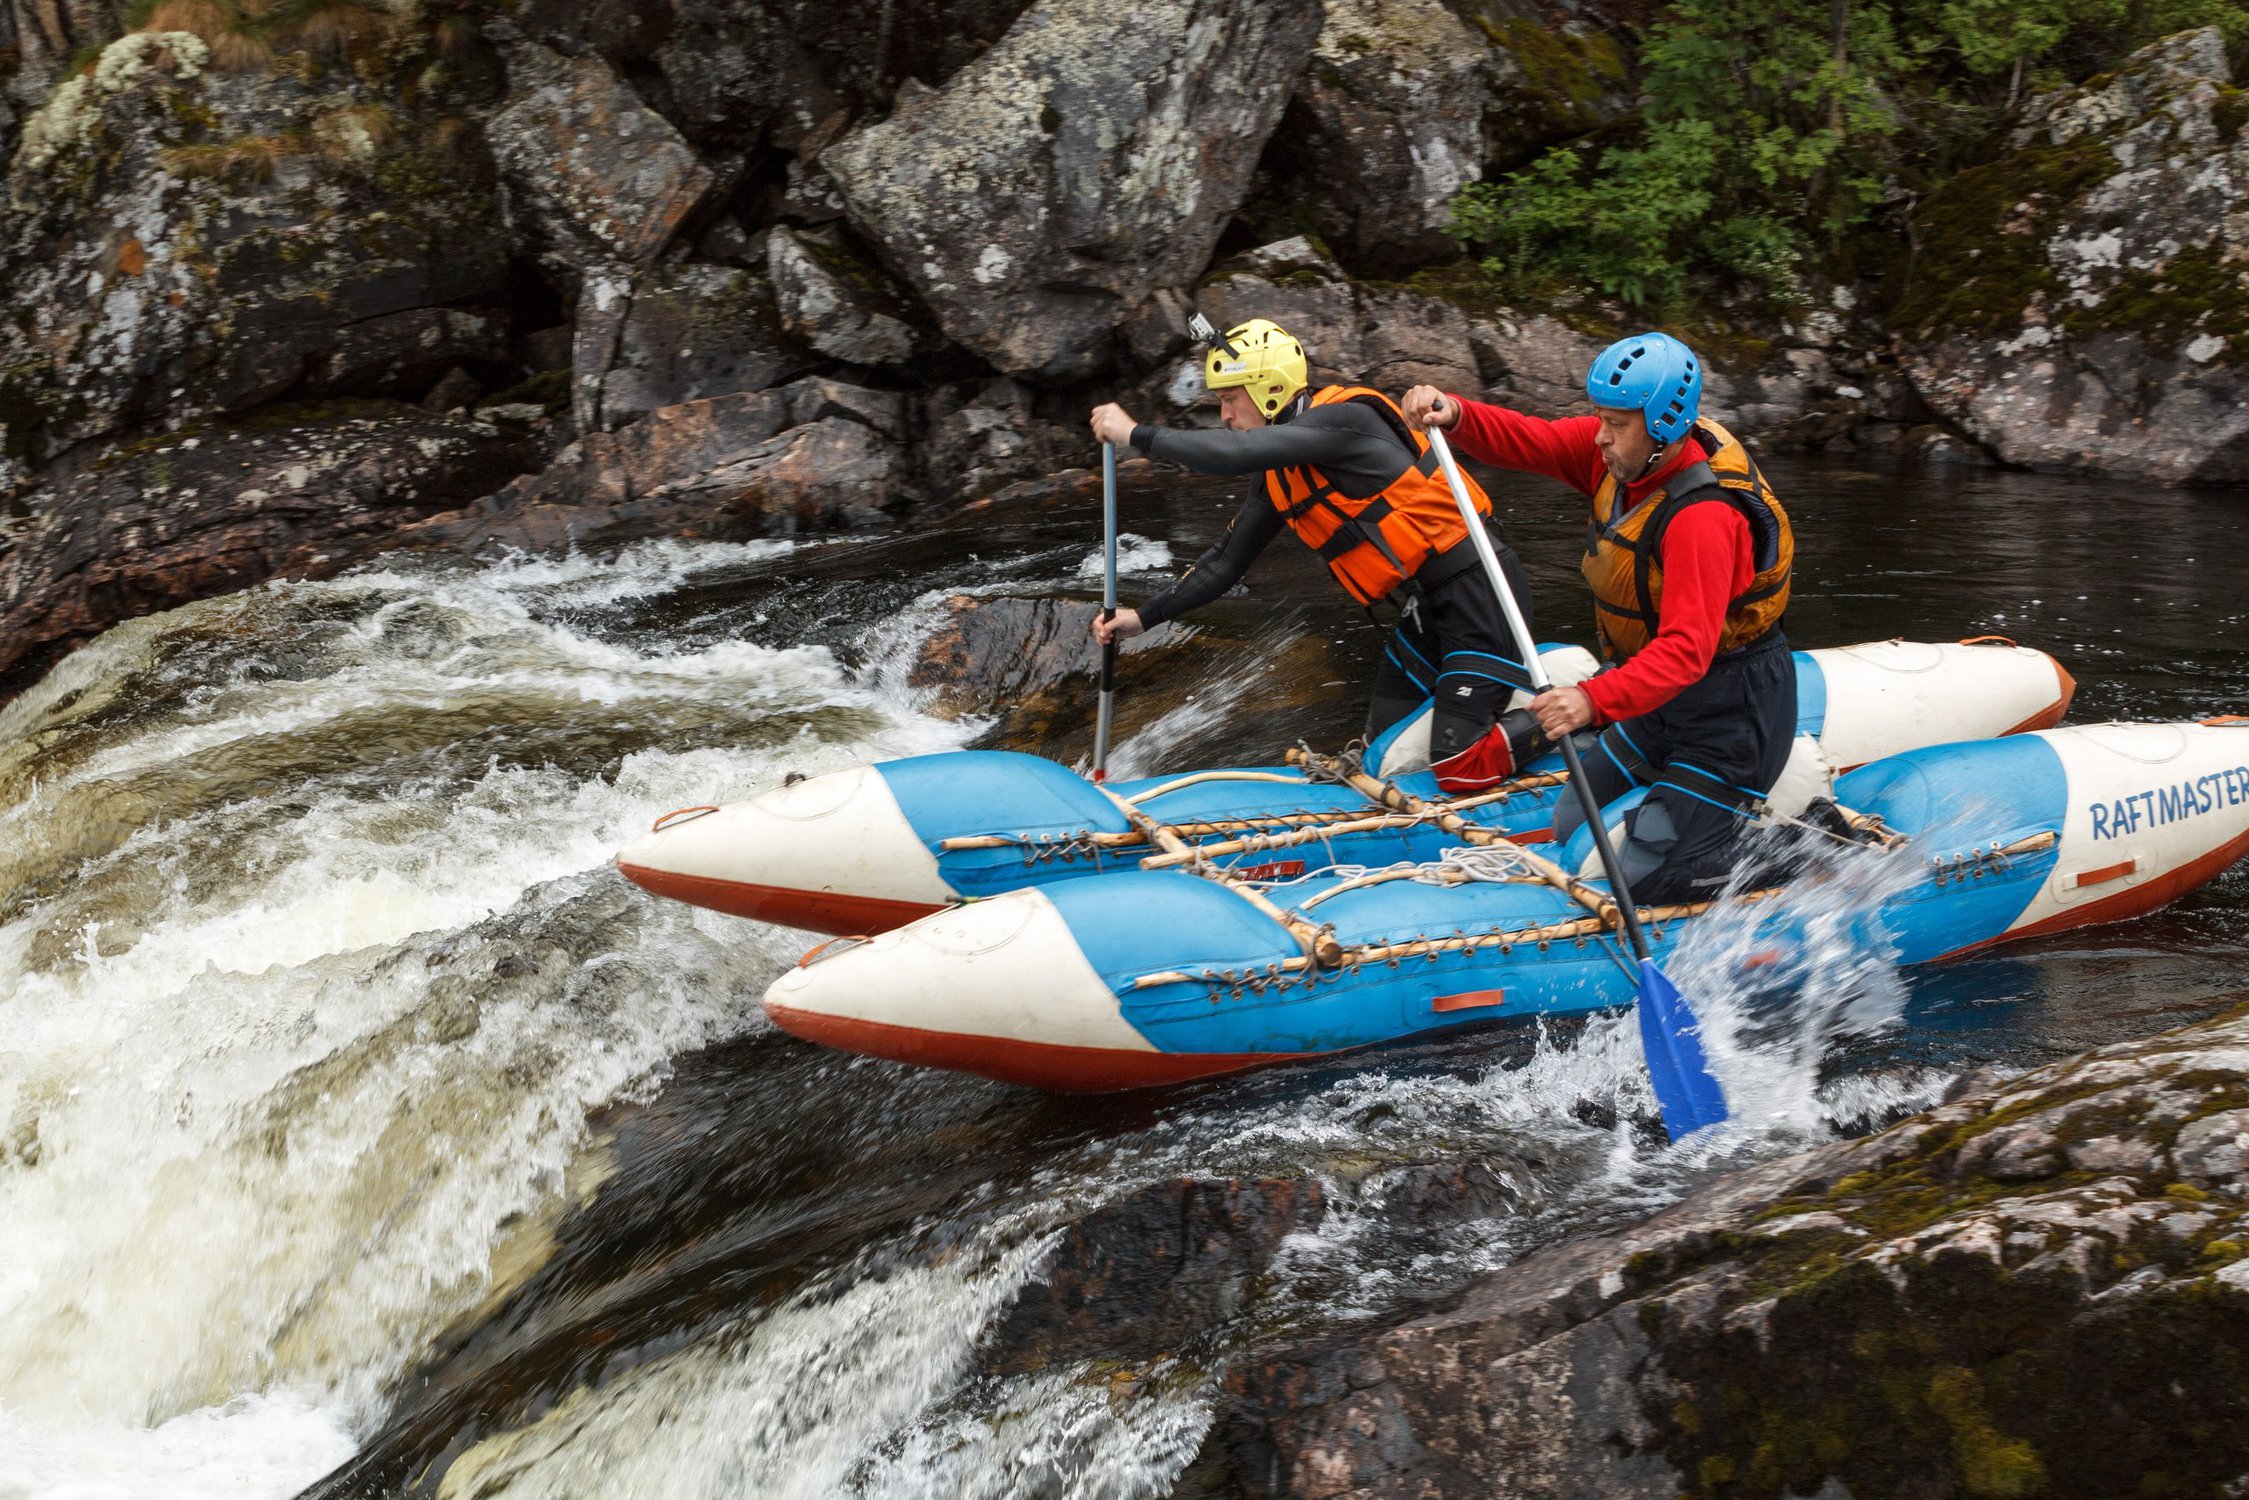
{"x":1654,"y":460}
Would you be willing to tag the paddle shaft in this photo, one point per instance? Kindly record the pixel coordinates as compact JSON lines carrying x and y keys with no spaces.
{"x":1108,"y":611}
{"x":1540,"y":682}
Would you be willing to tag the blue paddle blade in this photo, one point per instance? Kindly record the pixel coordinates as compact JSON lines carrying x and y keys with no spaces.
{"x":1686,"y":1090}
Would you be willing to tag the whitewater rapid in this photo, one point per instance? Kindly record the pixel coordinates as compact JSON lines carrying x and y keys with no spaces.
{"x":314,"y":968}
{"x":318,"y":993}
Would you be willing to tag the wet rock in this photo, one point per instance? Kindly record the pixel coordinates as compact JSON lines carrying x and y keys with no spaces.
{"x":1091,"y":156}
{"x":184,"y":242}
{"x":1892,"y":1315}
{"x":812,"y":456}
{"x":1008,"y":655}
{"x":691,"y":330}
{"x":819,"y":476}
{"x":837,"y":303}
{"x":299,"y":493}
{"x":1932,"y":444}
{"x":2075,"y":304}
{"x":1029,"y":665}
{"x":1157,"y":1271}
{"x":593,"y":176}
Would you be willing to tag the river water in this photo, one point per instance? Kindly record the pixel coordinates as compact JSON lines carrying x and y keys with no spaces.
{"x":357,"y":1121}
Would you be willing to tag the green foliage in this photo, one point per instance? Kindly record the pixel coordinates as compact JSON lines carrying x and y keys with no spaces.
{"x":1613,"y":220}
{"x":1765,"y":125}
{"x":1773,"y":131}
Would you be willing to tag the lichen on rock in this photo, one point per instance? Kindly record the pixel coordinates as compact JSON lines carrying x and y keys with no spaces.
{"x":69,"y":119}
{"x":838,"y":304}
{"x":2082,"y":301}
{"x":186,"y":241}
{"x":2035,"y":1288}
{"x":1091,"y":156}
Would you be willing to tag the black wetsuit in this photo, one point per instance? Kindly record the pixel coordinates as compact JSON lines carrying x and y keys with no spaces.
{"x":1451,"y":642}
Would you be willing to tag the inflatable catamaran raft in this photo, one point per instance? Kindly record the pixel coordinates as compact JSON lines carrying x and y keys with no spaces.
{"x":868,"y":849}
{"x":1151,"y":977}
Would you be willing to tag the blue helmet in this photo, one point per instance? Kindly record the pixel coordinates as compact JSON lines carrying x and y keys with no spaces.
{"x":1653,"y":374}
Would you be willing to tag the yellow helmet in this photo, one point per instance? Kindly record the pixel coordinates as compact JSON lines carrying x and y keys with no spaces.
{"x":1259,"y":354}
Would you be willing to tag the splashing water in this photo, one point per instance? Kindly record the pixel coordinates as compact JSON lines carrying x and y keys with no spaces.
{"x":1135,"y":554}
{"x":1777,"y":985}
{"x":313,"y":977}
{"x":324,"y":1031}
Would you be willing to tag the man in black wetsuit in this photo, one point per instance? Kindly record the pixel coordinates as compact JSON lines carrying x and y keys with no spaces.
{"x":1364,"y":490}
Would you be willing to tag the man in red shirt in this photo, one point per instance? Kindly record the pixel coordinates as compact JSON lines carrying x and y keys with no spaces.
{"x":1688,"y":557}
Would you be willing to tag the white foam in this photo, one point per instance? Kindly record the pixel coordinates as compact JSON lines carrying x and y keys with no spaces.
{"x":1777,"y":986}
{"x":252,"y":1445}
{"x":1135,"y":554}
{"x":292,"y":1062}
{"x":302,"y":1051}
{"x":789,"y":1408}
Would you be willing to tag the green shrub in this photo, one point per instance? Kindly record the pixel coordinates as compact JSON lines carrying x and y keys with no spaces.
{"x":1773,"y":131}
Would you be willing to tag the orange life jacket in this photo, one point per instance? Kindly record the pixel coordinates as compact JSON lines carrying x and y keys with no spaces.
{"x":1374,"y":544}
{"x":1624,"y":553}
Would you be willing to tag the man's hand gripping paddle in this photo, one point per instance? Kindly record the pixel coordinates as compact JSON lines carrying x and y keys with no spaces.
{"x":1108,"y":610}
{"x":1685,"y":1090}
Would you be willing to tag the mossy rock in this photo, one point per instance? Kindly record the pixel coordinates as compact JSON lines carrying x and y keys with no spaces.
{"x":1983,"y":237}
{"x":1573,"y":80}
{"x":2229,"y":113}
{"x":2198,"y":293}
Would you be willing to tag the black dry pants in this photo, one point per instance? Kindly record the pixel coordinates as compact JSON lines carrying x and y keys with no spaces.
{"x":1452,"y":644}
{"x":1708,"y":753}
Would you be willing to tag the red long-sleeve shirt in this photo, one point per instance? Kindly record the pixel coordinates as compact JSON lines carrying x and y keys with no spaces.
{"x":1706,"y":554}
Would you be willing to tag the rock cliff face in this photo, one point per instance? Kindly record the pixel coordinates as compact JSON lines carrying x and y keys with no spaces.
{"x":2081,"y":301}
{"x":735,"y":77}
{"x":1408,"y":101}
{"x":1090,"y":158}
{"x":183,"y":241}
{"x":596,"y":226}
{"x":811,"y":456}
{"x":2037,"y":1289}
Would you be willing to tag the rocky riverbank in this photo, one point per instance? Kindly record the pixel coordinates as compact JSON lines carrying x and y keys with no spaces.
{"x":486,"y":273}
{"x":2038,"y":1288}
